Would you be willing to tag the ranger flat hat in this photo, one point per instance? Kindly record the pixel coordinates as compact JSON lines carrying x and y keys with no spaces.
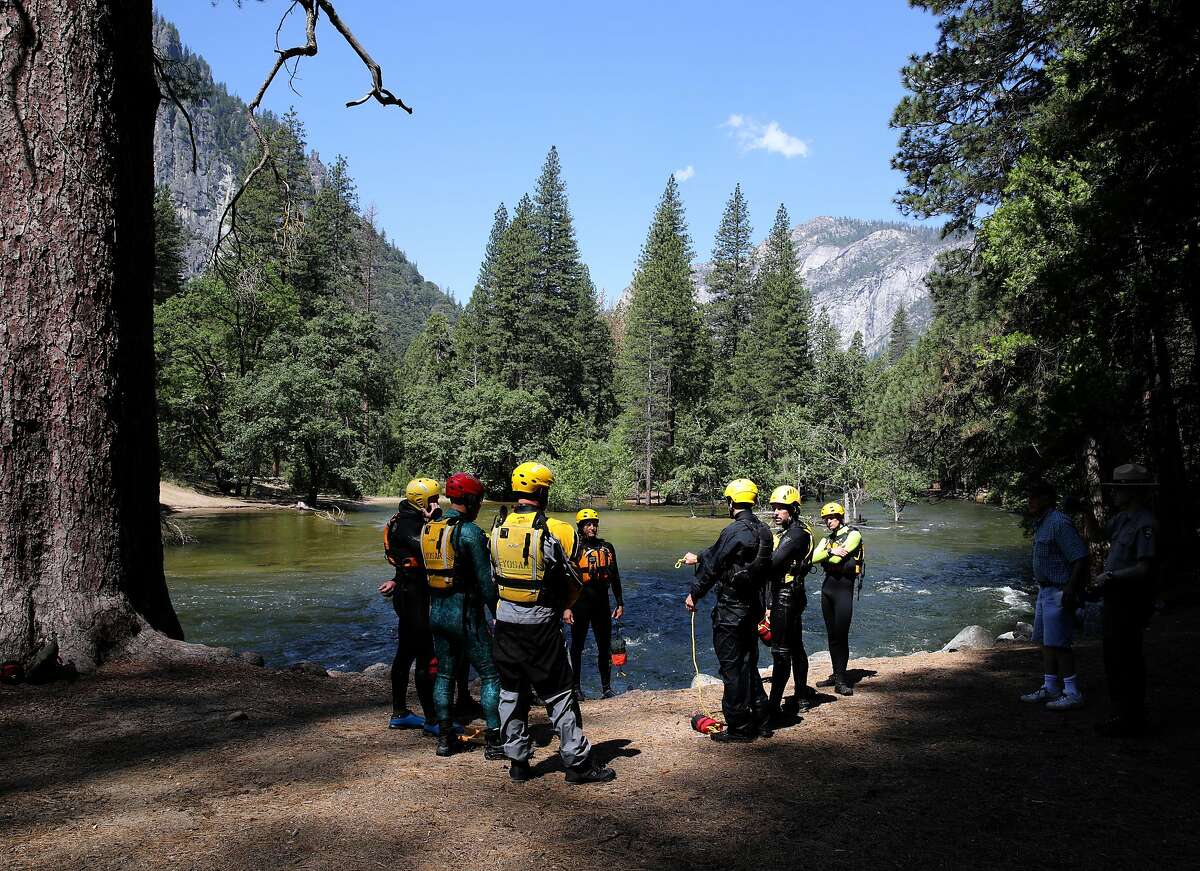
{"x":1132,"y":475}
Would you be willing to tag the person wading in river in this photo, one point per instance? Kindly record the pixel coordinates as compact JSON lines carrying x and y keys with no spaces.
{"x":737,"y":564}
{"x":841,"y":555}
{"x":790,"y":562}
{"x":533,"y":559}
{"x":597,"y":566}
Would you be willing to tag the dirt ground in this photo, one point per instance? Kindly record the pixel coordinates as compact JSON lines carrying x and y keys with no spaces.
{"x":933,"y":763}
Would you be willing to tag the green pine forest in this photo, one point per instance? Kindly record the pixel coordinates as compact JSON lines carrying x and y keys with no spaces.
{"x":1065,"y":339}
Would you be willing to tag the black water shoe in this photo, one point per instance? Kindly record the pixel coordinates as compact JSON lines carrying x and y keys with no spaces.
{"x":828,"y":682}
{"x":519,"y":770}
{"x":447,"y":739}
{"x":493,"y":746}
{"x":590,"y":772}
{"x":608,"y":693}
{"x":843,"y":689}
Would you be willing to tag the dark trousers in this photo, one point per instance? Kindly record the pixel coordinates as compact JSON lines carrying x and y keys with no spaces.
{"x":414,"y":642}
{"x":837,"y":607}
{"x":787,"y":641}
{"x":592,"y":611}
{"x":1124,"y":624}
{"x":735,"y":640}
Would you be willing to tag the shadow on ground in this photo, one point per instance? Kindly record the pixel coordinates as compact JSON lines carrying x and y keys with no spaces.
{"x":933,"y":763}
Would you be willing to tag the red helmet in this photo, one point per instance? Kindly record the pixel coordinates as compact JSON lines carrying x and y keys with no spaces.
{"x":460,"y":486}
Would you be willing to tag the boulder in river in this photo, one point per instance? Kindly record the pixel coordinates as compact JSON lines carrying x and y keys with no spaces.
{"x":251,"y":657}
{"x":1008,"y":636}
{"x":1023,"y":630}
{"x":378,"y":671}
{"x":308,"y":667}
{"x":971,"y":638}
{"x":705,"y":680}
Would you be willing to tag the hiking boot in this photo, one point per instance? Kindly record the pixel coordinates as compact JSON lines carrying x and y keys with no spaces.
{"x":447,"y":739}
{"x":519,"y":770}
{"x":493,"y":746}
{"x":731,"y":737}
{"x":843,"y":689}
{"x":608,"y":693}
{"x":405,"y":720}
{"x":590,"y":772}
{"x":579,"y":696}
{"x":1041,"y":694}
{"x":1066,"y":702}
{"x":828,"y":682}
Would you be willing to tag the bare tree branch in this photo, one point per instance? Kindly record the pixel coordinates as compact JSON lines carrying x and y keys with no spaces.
{"x":381,"y":94}
{"x":168,"y":82}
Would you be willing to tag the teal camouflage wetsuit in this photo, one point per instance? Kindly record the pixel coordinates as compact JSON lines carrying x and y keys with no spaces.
{"x":458,"y":621}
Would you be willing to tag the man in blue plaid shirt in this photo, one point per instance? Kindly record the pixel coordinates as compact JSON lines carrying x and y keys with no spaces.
{"x":1060,"y":567}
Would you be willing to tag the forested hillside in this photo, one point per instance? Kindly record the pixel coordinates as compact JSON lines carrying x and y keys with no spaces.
{"x":401,"y":296}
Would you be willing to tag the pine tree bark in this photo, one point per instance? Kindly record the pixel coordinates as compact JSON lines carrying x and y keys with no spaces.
{"x":80,"y":549}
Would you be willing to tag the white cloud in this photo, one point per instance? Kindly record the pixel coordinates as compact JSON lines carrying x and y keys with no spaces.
{"x":682,"y":175}
{"x":769,"y":137}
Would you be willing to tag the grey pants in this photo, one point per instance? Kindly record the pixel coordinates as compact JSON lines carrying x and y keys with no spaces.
{"x":531,"y":656}
{"x":573,"y":745}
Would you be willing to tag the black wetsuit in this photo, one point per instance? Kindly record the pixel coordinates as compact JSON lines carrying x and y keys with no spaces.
{"x":410,"y":600}
{"x":788,"y":601}
{"x":740,"y":593}
{"x":592,"y":609}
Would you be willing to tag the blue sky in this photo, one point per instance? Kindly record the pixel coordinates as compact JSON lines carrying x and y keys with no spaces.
{"x":791,"y":99}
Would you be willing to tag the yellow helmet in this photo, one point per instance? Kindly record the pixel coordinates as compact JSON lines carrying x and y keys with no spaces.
{"x":587,"y":514}
{"x":422,"y":491}
{"x":832,"y":509}
{"x":743,"y":490}
{"x":785,"y":494}
{"x":529,"y":477}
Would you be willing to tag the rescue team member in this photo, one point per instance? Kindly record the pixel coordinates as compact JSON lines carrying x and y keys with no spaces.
{"x":790,"y":562}
{"x":454,"y":551}
{"x":1127,"y":587}
{"x":1060,"y":567}
{"x":409,"y":592}
{"x":737,"y":564}
{"x":841,"y":554}
{"x":533,"y":560}
{"x":597,"y":566}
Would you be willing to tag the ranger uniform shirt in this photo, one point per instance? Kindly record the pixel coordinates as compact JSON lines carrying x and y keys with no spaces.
{"x":1132,"y":535}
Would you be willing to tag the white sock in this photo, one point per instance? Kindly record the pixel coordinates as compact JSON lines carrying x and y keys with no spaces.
{"x":1050,"y":682}
{"x":1069,"y":686}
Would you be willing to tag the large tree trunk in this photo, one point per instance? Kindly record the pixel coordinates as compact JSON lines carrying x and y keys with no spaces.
{"x":80,"y":552}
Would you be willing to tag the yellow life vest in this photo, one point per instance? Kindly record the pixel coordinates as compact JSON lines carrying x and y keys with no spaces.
{"x":437,"y":552}
{"x":524,"y":554}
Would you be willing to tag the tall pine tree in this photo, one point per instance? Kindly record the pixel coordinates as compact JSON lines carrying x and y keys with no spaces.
{"x":574,"y":350}
{"x":731,"y":280}
{"x":664,"y":354}
{"x":783,"y":324}
{"x":900,"y":337}
{"x":475,"y":333}
{"x":520,"y":321}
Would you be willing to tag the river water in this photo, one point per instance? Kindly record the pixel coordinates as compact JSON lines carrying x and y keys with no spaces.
{"x":295,"y":587}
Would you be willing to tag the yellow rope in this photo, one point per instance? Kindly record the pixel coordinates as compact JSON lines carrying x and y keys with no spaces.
{"x":696,"y":665}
